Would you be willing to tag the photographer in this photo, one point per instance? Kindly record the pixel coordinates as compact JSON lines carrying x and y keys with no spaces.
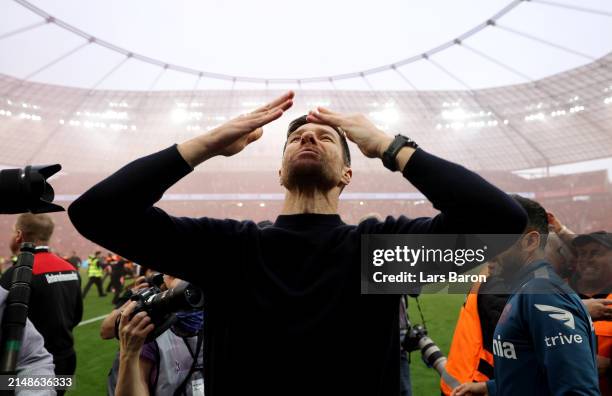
{"x":171,"y":364}
{"x":107,"y":328}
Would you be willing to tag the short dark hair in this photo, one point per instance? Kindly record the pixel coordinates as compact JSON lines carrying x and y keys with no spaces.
{"x":537,"y":219}
{"x":298,"y":122}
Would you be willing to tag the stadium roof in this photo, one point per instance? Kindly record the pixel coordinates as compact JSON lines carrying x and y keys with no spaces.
{"x":241,"y":44}
{"x":504,"y":85}
{"x":560,"y":119}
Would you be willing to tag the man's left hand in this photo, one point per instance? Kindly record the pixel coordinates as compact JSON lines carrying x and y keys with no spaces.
{"x":371,"y":141}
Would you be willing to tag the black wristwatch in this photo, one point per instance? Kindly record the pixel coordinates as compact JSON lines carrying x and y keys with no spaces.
{"x":389,"y":155}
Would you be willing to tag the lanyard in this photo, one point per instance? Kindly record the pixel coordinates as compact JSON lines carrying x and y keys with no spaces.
{"x":181,"y":389}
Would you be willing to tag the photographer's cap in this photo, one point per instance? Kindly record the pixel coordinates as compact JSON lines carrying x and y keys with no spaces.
{"x":601,"y":237}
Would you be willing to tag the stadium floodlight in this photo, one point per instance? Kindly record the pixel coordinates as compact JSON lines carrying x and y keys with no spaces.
{"x":179,"y":116}
{"x":387,"y":116}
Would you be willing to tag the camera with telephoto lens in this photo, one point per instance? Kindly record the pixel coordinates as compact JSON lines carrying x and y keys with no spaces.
{"x":154,"y":281}
{"x":416,"y":338}
{"x":161,"y":306}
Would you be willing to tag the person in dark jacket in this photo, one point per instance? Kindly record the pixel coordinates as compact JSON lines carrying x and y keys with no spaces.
{"x":544,"y":342}
{"x":56,"y":305}
{"x":305,"y":329}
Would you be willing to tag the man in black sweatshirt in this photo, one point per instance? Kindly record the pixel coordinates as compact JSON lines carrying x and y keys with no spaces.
{"x":303,"y":327}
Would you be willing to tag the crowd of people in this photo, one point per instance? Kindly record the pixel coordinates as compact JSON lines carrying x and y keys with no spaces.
{"x":282,"y":309}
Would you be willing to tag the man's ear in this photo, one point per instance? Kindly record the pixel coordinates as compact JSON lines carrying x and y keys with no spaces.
{"x":347,"y":174}
{"x":531,"y":241}
{"x":280,"y":177}
{"x":19,"y":236}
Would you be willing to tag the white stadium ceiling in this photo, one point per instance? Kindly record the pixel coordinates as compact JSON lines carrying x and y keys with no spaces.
{"x":206,"y":44}
{"x":532,"y":88}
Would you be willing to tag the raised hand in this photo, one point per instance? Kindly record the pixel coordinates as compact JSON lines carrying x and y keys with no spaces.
{"x":553,"y":223}
{"x":371,"y":141}
{"x":233,"y":136}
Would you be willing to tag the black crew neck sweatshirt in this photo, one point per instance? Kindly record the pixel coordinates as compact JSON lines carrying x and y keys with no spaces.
{"x":284,"y":313}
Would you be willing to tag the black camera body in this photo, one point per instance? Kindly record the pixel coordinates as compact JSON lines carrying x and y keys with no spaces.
{"x":416,"y":338}
{"x":161,"y":306}
{"x":413,"y":336}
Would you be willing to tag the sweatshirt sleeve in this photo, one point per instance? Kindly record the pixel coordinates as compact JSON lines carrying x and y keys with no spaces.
{"x":119,"y":214}
{"x":491,"y":388}
{"x":467,"y":202}
{"x":564,"y":343}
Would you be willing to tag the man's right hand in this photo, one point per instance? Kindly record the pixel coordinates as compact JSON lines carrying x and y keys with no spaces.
{"x":233,"y":136}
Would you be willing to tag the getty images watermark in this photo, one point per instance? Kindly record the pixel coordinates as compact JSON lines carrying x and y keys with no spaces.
{"x":427,"y":263}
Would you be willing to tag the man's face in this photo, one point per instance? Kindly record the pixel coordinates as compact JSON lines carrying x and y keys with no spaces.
{"x":313,"y":158}
{"x":594,"y":263}
{"x":509,"y":262}
{"x":560,"y":257}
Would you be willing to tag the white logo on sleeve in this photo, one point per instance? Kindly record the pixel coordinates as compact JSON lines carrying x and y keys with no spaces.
{"x":559,"y":314}
{"x":503,"y":349}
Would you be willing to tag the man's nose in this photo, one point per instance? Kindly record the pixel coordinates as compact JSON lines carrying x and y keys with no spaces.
{"x":308,"y":137}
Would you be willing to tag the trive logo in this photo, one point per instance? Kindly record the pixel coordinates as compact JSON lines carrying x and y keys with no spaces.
{"x":563,"y":339}
{"x":503,"y":349}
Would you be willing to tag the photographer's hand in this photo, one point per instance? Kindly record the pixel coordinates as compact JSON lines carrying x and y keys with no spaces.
{"x":107,"y":328}
{"x":134,"y":331}
{"x":371,"y":141}
{"x":233,"y":136}
{"x":132,"y":334}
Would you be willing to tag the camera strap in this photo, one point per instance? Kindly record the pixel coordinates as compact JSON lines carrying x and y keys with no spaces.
{"x":419,"y":308}
{"x":194,"y":365}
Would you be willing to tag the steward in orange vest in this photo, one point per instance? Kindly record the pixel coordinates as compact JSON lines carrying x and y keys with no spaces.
{"x":470,"y":358}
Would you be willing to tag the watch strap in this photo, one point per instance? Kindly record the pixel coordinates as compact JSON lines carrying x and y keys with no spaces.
{"x":391,"y":152}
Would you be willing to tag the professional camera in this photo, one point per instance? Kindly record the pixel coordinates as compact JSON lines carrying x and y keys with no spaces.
{"x":27,"y":190}
{"x":161,"y":305}
{"x":156,"y":280}
{"x":416,"y":338}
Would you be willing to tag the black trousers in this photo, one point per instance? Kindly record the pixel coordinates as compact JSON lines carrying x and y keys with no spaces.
{"x":94,"y":280}
{"x":64,"y":366}
{"x":116,"y":284}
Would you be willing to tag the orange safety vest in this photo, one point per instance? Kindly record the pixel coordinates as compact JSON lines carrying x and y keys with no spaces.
{"x":467,"y":352}
{"x":603,"y":331}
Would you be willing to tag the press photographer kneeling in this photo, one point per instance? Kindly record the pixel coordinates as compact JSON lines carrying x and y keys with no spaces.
{"x":161,"y":352}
